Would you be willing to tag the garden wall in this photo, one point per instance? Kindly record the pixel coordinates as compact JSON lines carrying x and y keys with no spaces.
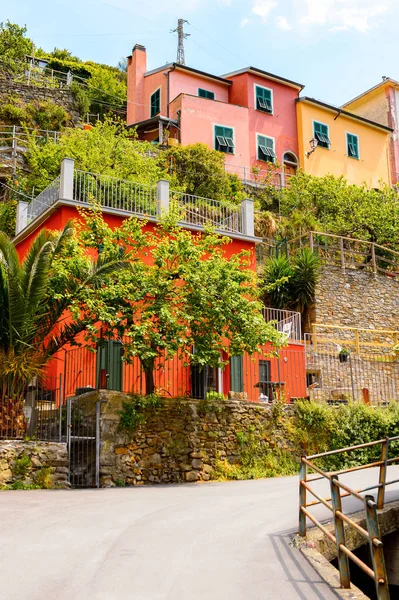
{"x":182,"y":439}
{"x":33,"y":464}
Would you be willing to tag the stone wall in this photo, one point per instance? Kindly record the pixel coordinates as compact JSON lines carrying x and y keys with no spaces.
{"x":180,"y":441}
{"x":41,"y":464}
{"x":356,"y":298}
{"x":30,"y":93}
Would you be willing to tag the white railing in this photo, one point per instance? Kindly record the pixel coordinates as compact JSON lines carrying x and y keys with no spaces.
{"x":195,"y":210}
{"x":259,"y":177}
{"x":44,"y":200}
{"x":287,"y":322}
{"x":110,"y":192}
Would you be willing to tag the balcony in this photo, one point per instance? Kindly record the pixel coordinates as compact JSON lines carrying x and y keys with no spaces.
{"x":144,"y":201}
{"x":287,"y":322}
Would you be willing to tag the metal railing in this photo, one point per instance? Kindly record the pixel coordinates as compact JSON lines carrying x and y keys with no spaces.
{"x":259,"y":177}
{"x":287,"y":322}
{"x":31,"y":72}
{"x":44,"y":200}
{"x":196,"y":210}
{"x":110,"y":192}
{"x":333,"y":502}
{"x":341,"y":251}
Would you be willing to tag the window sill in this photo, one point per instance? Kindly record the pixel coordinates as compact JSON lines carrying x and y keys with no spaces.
{"x":265,"y":112}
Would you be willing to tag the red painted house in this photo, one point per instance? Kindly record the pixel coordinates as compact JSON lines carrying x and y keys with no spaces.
{"x":249,"y":115}
{"x":261,"y":377}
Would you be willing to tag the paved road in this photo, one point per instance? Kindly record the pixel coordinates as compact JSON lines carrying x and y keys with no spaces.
{"x":217,"y":541}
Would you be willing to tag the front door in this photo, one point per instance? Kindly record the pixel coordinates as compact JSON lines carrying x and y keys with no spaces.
{"x":109,"y":365}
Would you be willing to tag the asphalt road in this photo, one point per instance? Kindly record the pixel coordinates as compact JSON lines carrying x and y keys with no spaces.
{"x":216,"y":541}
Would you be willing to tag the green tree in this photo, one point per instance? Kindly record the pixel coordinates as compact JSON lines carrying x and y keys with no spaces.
{"x":14,"y":44}
{"x":201,"y":171}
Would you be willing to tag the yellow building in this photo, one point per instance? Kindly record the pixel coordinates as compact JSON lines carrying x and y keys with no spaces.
{"x":337,"y":142}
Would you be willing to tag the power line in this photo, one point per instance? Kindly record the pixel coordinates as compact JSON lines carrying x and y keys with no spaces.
{"x":15,"y":191}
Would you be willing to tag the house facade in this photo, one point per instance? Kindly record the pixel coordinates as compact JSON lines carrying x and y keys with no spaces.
{"x":249,"y":115}
{"x":381,"y":104}
{"x":338,"y":142}
{"x":263,"y":376}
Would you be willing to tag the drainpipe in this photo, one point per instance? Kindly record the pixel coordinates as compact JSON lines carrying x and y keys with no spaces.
{"x":178,"y":112}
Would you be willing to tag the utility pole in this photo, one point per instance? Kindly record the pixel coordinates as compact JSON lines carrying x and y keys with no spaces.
{"x":181,"y":37}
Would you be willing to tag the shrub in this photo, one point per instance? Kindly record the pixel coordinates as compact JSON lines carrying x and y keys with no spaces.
{"x":134,"y":411}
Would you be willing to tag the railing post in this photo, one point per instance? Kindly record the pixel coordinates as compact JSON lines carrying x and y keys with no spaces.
{"x":383,"y":473}
{"x":343,"y":562}
{"x":314,"y":334}
{"x":66,"y":179}
{"x":311,"y":241}
{"x":60,"y":409}
{"x":162,"y":197}
{"x":357,"y":342}
{"x":22,"y":216}
{"x":302,"y":498}
{"x":373,"y":260}
{"x":341,"y":247}
{"x":98,"y":442}
{"x":376,"y":549}
{"x":247,"y":217}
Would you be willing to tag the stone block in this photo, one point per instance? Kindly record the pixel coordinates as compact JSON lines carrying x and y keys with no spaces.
{"x":192,"y":476}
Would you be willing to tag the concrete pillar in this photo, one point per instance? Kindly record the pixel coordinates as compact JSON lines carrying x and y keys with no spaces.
{"x":22,"y":216}
{"x":247,"y":217}
{"x":162,"y":197}
{"x":66,"y":179}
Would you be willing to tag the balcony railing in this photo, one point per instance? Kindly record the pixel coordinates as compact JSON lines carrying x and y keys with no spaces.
{"x":196,"y":210}
{"x":141,"y":200}
{"x":287,"y":322}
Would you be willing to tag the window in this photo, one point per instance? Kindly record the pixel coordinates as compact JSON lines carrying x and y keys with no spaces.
{"x":263,"y":99}
{"x":265,"y":150}
{"x":265,"y":385}
{"x":155,"y":102}
{"x":321,"y":134}
{"x":236,"y":373}
{"x":352,"y":145}
{"x":206,"y":94}
{"x":224,"y":139}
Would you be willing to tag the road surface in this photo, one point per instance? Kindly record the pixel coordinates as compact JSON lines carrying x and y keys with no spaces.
{"x":215,"y":541}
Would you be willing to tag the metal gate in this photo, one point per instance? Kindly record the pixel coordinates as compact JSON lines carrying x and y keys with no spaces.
{"x":83,"y":441}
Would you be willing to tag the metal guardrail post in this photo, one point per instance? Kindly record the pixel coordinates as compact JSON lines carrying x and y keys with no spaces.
{"x":383,"y":473}
{"x":60,"y":409}
{"x":373,"y":259}
{"x":343,"y":561}
{"x":302,"y":498}
{"x":342,"y":252}
{"x":311,"y":241}
{"x":376,"y":549}
{"x":98,"y":442}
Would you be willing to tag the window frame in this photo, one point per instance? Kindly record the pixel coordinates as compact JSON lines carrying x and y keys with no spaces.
{"x":269,"y":137}
{"x":328,"y":134}
{"x":207,"y":92}
{"x":160,"y":103}
{"x":214,"y":125}
{"x":347,"y":134}
{"x":262,"y":87}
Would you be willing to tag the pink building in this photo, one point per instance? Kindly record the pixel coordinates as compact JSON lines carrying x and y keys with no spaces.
{"x":249,"y":115}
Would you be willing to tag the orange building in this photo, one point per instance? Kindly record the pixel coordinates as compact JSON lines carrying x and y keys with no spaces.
{"x":260,"y":377}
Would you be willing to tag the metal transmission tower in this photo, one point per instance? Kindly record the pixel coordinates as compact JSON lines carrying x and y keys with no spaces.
{"x":181,"y":37}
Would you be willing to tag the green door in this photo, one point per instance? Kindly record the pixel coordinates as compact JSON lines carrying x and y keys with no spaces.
{"x":109,"y":365}
{"x":236,"y":374}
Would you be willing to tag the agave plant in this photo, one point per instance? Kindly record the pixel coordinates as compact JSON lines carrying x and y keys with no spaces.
{"x":306,"y":272}
{"x":277,"y":277}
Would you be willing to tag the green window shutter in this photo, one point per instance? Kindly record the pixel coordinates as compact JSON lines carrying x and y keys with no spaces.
{"x":236,"y":374}
{"x":206,"y":94}
{"x":265,"y":149}
{"x":264,"y":100}
{"x":352,"y":142}
{"x":224,"y":139}
{"x":109,"y":364}
{"x":320,"y":131}
{"x":155,"y":103}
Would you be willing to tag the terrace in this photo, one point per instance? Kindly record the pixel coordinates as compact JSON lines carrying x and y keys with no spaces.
{"x":128,"y":198}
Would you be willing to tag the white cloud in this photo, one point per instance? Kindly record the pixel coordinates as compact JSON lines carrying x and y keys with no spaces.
{"x":245,"y":21}
{"x":262,"y":8}
{"x":282,"y":23}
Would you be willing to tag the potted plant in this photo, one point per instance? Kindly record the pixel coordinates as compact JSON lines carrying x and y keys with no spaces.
{"x":343,"y":355}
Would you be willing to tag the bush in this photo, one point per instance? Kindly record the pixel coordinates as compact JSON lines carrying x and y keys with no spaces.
{"x":135,"y":410}
{"x":81,"y":99}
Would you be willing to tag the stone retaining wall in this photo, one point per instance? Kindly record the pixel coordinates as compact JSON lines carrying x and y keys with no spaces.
{"x":41,"y":464}
{"x":180,"y":441}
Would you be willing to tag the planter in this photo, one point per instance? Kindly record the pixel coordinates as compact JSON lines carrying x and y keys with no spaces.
{"x":343,"y":358}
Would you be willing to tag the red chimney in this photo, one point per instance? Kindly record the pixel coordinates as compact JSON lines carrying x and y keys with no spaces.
{"x":136,"y":67}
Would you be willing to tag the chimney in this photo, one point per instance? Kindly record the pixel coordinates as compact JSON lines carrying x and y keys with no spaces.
{"x":136,"y":67}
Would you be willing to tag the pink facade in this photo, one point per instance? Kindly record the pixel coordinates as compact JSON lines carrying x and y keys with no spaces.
{"x":190,"y":118}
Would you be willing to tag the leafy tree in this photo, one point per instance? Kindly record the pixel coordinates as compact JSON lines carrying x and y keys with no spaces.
{"x":202,"y":172}
{"x":14,"y":45}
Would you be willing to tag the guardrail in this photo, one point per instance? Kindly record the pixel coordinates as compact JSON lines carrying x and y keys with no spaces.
{"x":339,"y":490}
{"x":196,"y":210}
{"x":44,"y":200}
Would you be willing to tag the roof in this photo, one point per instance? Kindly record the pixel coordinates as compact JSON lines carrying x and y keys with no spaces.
{"x":153,"y":121}
{"x":384,"y":82}
{"x":346,"y":113}
{"x":267,"y":75}
{"x":179,"y":67}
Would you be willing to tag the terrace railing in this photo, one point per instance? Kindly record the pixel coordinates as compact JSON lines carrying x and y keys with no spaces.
{"x":196,"y":210}
{"x":142,"y":200}
{"x":287,"y":322}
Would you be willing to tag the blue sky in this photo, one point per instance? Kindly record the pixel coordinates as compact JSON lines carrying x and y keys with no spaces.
{"x":337,"y":48}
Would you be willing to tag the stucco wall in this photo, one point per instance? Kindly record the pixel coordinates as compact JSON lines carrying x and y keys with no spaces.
{"x":33,"y":463}
{"x":373,"y":164}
